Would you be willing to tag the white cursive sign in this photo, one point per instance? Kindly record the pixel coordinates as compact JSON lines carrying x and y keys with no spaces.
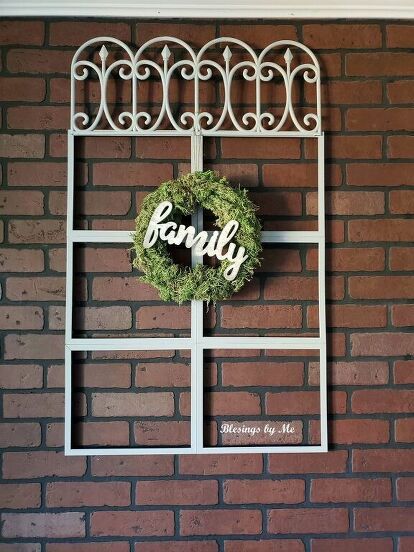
{"x":213,"y":246}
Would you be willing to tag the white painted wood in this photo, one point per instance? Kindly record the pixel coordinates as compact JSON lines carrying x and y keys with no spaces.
{"x":125,"y":236}
{"x":197,"y":342}
{"x":402,"y":9}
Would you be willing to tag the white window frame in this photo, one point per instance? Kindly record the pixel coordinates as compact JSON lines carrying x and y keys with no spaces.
{"x":197,"y":343}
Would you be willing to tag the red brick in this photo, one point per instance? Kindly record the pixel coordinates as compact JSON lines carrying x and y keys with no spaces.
{"x":57,"y":202}
{"x":33,"y":346}
{"x":383,"y":519}
{"x":104,"y":375}
{"x":380,"y":119}
{"x":402,"y":315}
{"x":37,"y":231}
{"x":382,"y":344}
{"x":20,"y":435}
{"x":79,"y":494}
{"x":381,"y":230}
{"x":33,"y":405}
{"x":382,"y":400}
{"x":275,"y":545}
{"x":22,"y":145}
{"x":402,"y":258}
{"x":348,"y":36}
{"x":242,"y":374}
{"x":287,"y":403}
{"x":22,"y":89}
{"x":280,"y":260}
{"x":131,"y":174}
{"x":62,"y":525}
{"x":103,"y":433}
{"x":38,"y":117}
{"x":379,"y":64}
{"x":233,"y":403}
{"x":405,"y":544}
{"x":258,"y":36}
{"x":216,"y":464}
{"x":290,"y":175}
{"x":22,"y":32}
{"x":308,"y":520}
{"x":348,"y":92}
{"x":400,"y":91}
{"x":348,"y":432}
{"x":18,"y":203}
{"x":381,"y":287}
{"x":135,"y":466}
{"x":404,"y":371}
{"x":405,"y":488}
{"x":177,"y":492}
{"x":400,"y":147}
{"x":267,"y":316}
{"x":24,"y":60}
{"x":42,"y":288}
{"x":163,"y":147}
{"x":383,"y":460}
{"x":132,"y":404}
{"x":248,"y":491}
{"x":130,"y":524}
{"x":278,"y":203}
{"x":176,"y":546}
{"x":98,"y":546}
{"x":352,"y":373}
{"x":36,"y":174}
{"x":21,"y":260}
{"x":109,"y":259}
{"x":29,"y":465}
{"x":399,"y":36}
{"x":196,"y":34}
{"x":358,"y":545}
{"x":348,"y":203}
{"x":20,"y":496}
{"x":103,"y":318}
{"x":155,"y":374}
{"x":161,"y":434}
{"x":104,"y":203}
{"x":57,"y":259}
{"x":350,"y":316}
{"x":21,"y":376}
{"x":348,"y":147}
{"x":351,"y":259}
{"x":245,"y":174}
{"x":172,"y":317}
{"x":351,"y":490}
{"x":250,"y":148}
{"x":331,"y":462}
{"x":21,"y":318}
{"x":404,"y":430}
{"x":291,"y":288}
{"x":21,"y":547}
{"x":66,"y":33}
{"x":401,"y":202}
{"x":220,"y":522}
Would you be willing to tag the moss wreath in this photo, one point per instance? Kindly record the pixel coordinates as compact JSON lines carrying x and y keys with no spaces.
{"x":181,"y":283}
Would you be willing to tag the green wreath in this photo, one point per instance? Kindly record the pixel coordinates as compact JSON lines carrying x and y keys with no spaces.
{"x":181,"y":283}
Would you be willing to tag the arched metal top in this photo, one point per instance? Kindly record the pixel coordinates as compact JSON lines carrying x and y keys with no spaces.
{"x":289,"y":67}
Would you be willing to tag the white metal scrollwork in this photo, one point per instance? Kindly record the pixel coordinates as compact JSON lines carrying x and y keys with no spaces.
{"x":285,"y":62}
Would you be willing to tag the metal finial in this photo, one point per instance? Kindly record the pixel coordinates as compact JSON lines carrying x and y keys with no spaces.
{"x":166,"y":53}
{"x":103,"y":53}
{"x":288,"y":56}
{"x":227,"y":54}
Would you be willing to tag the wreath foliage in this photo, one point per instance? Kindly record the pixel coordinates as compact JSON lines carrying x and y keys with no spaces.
{"x":182,"y":283}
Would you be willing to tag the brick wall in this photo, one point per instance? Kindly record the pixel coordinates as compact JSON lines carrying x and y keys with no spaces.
{"x":361,"y":489}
